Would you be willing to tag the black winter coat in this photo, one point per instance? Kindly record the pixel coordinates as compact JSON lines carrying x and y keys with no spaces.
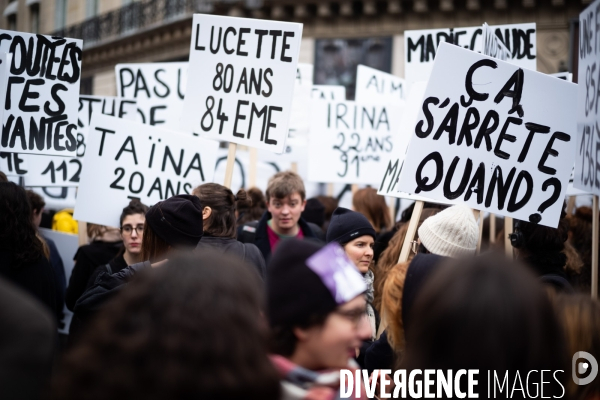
{"x":247,"y":252}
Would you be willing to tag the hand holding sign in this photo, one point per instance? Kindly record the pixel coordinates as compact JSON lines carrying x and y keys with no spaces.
{"x":499,"y":138}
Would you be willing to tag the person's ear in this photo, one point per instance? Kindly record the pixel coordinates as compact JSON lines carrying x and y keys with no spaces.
{"x":302,"y":334}
{"x":206,"y":213}
{"x":303,"y":205}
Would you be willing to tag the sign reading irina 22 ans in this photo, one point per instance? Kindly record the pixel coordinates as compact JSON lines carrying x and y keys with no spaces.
{"x":241,"y":79}
{"x":494,"y":136}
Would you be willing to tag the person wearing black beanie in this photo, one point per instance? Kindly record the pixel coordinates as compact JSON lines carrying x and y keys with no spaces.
{"x":316,"y":308}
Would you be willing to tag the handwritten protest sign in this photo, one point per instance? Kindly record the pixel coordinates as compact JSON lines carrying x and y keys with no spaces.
{"x":243,"y":80}
{"x":157,"y":88}
{"x":496,"y":137}
{"x":375,"y":85}
{"x":125,"y":160}
{"x":421,"y":46}
{"x":329,"y":92}
{"x":350,"y":142}
{"x":299,"y":119}
{"x":57,"y":198}
{"x":587,"y":159}
{"x":493,"y":46}
{"x":40,"y":107}
{"x":565,"y":76}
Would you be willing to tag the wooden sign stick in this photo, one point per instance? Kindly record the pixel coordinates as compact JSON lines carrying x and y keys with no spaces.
{"x":595,"y":247}
{"x":412,"y":230}
{"x":479,"y":215}
{"x":330,"y":189}
{"x":294,"y":167}
{"x":492,"y":228}
{"x":571,"y":205}
{"x":230,"y":164}
{"x":508,"y":229}
{"x":252,"y":172}
{"x":354,"y":188}
{"x":82,"y":233}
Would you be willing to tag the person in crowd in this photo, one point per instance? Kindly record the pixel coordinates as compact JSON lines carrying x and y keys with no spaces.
{"x":132,"y":221}
{"x":27,"y":348}
{"x":580,"y":237}
{"x":488,"y":314}
{"x":251,"y":208}
{"x":314,"y":212}
{"x":353,"y":231}
{"x":541,"y":248}
{"x":37,"y":204}
{"x":330,"y":203}
{"x":105,"y":244}
{"x":580,"y":317}
{"x":3,"y":177}
{"x":173,"y":223}
{"x":24,"y":257}
{"x":170,"y":339}
{"x":317,"y":322}
{"x":373,"y":206}
{"x":286,"y":199}
{"x":218,"y":214}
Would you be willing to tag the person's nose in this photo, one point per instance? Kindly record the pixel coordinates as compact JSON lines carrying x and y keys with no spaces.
{"x":134,"y":233}
{"x":369,"y":253}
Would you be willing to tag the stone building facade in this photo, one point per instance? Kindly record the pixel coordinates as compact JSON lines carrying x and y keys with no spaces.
{"x":124,"y":31}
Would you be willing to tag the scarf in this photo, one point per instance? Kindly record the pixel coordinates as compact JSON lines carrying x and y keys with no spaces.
{"x":299,"y":383}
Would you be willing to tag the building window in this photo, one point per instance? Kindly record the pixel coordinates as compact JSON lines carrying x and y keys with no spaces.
{"x":34,"y":18}
{"x":60,"y":16}
{"x":86,"y":85}
{"x":91,"y":8}
{"x":336,"y":60}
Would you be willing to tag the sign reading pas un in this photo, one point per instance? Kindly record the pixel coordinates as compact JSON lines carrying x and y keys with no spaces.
{"x":496,"y":137}
{"x":126,"y":159}
{"x":40,"y":107}
{"x":587,"y":158}
{"x":241,"y":80}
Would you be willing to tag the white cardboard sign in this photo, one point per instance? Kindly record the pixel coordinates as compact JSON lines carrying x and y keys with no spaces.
{"x":420,"y":46}
{"x":328,"y":92}
{"x":241,"y":80}
{"x":126,"y":159}
{"x":496,"y":137}
{"x":375,"y":85}
{"x":40,"y":107}
{"x":492,"y":45}
{"x":565,"y":76}
{"x":157,"y":88}
{"x":587,"y":159}
{"x":350,"y":142}
{"x":301,"y":101}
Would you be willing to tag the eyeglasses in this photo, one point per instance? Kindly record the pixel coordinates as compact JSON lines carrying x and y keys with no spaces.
{"x":414,"y":246}
{"x":355,"y":316}
{"x":128,"y":229}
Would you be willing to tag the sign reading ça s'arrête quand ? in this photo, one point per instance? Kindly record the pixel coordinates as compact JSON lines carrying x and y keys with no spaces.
{"x":241,"y":80}
{"x":126,"y":159}
{"x":496,"y":137}
{"x":42,"y":90}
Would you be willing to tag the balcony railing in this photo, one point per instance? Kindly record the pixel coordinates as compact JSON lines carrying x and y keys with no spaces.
{"x":133,"y":17}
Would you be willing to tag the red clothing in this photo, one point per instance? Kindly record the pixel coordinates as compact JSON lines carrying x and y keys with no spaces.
{"x":274,"y":237}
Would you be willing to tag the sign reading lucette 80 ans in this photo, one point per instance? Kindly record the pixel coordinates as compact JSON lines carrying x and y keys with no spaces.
{"x":241,"y":80}
{"x":494,"y":136}
{"x":40,"y":106}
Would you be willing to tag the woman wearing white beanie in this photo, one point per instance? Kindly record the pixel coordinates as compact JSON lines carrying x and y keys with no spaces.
{"x":451,"y":233}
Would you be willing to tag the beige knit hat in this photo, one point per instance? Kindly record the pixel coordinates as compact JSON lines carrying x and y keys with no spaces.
{"x":452,"y":233}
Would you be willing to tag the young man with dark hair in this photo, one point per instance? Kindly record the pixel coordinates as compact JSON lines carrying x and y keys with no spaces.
{"x":286,"y":199}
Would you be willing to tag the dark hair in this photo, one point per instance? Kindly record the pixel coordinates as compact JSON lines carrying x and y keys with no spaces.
{"x":154,"y":247}
{"x":191,"y":329}
{"x":580,"y":229}
{"x":283,"y":340}
{"x":330,"y":204}
{"x":367,"y":202}
{"x":221,"y":200}
{"x":18,"y":235}
{"x":36,"y":201}
{"x":484,"y":313}
{"x":3,"y":177}
{"x":252,"y":208}
{"x":283,"y":184}
{"x":134,"y":207}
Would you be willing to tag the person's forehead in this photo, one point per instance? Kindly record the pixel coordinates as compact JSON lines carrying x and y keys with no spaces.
{"x":291,"y":197}
{"x":134,"y":218}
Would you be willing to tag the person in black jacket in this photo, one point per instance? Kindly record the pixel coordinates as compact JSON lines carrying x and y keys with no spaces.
{"x":286,"y":199}
{"x":24,"y":259}
{"x":218,"y":215}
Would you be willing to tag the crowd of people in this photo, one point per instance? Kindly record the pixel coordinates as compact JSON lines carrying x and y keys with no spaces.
{"x":219,"y":295}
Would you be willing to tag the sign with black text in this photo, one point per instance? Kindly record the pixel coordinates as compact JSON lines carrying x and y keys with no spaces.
{"x":40,"y":107}
{"x":496,"y":137}
{"x":126,"y":159}
{"x":420,"y":46}
{"x":375,"y":85}
{"x":241,"y":80}
{"x":328,"y":92}
{"x":351,"y":142}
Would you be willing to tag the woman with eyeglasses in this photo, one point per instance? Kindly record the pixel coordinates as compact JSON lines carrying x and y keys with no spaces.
{"x":92,"y":259}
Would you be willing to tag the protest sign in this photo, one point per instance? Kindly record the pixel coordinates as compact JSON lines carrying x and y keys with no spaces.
{"x":301,"y":101}
{"x":40,"y":107}
{"x":243,"y":78}
{"x":350,"y":142}
{"x":587,"y":159}
{"x":157,"y":88}
{"x":492,"y":45}
{"x":496,"y":137}
{"x":57,"y":198}
{"x":328,"y":92}
{"x":375,"y":85}
{"x":565,"y":76}
{"x":420,"y":46}
{"x":126,"y":159}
